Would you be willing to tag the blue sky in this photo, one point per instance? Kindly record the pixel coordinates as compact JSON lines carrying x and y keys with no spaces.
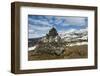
{"x":39,"y":25}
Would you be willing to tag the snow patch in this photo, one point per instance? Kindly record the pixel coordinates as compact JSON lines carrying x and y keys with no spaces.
{"x":32,"y":48}
{"x":78,"y":43}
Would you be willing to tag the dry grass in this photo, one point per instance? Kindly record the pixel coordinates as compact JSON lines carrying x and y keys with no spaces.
{"x":76,"y":52}
{"x":71,"y":52}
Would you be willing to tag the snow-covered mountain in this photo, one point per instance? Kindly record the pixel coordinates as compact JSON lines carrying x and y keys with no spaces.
{"x":74,"y":35}
{"x":80,"y":37}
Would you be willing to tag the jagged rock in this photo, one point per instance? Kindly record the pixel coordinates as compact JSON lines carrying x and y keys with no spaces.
{"x":52,"y":36}
{"x":52,"y":32}
{"x":51,"y":44}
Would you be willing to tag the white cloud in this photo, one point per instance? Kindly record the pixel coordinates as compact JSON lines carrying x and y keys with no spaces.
{"x":36,"y":35}
{"x":37,"y":31}
{"x":86,"y":29}
{"x":31,"y":31}
{"x":68,"y":31}
{"x":39,"y":27}
{"x":78,"y":21}
{"x":74,"y":30}
{"x":39,"y":22}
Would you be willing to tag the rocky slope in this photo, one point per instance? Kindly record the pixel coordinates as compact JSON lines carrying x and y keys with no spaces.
{"x":54,"y":43}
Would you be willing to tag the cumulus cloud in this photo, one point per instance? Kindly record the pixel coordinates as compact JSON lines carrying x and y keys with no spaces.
{"x":38,"y":22}
{"x":74,"y":31}
{"x":75,"y":21}
{"x":37,"y":31}
{"x":40,"y":25}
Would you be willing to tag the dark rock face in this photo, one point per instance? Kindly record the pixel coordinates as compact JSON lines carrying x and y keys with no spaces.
{"x":50,"y":44}
{"x":52,"y":32}
{"x":52,"y":36}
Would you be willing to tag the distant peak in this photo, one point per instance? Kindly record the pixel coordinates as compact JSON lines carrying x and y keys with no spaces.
{"x":53,"y":32}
